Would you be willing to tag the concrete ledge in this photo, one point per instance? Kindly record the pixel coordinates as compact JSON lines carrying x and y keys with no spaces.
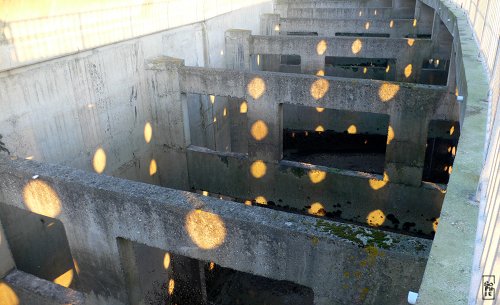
{"x":448,"y":272}
{"x":95,"y":210}
{"x":30,"y":289}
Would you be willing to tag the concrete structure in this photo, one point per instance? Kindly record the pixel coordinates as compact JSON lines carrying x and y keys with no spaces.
{"x":203,"y":115}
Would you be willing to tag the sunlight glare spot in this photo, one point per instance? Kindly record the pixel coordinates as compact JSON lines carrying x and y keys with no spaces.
{"x":65,"y":279}
{"x":390,"y":135}
{"x":258,"y":169}
{"x":148,"y":132}
{"x":316,"y":176}
{"x":317,"y":209}
{"x":321,"y":47}
{"x":319,"y":88}
{"x":99,"y":161}
{"x":378,"y":184}
{"x":256,"y":88}
{"x":391,"y":24}
{"x":320,"y":109}
{"x":352,"y":129}
{"x":356,"y":46}
{"x":166,"y":261}
{"x":259,"y":130}
{"x":320,"y":73}
{"x":40,"y":198}
{"x":375,"y":218}
{"x":171,"y":286}
{"x":388,"y":91}
{"x":153,"y":167}
{"x":408,"y":70}
{"x":367,"y":25}
{"x":7,"y":295}
{"x":319,"y":128}
{"x":410,"y":42}
{"x":261,"y":200}
{"x":243,"y":107}
{"x":207,"y":230}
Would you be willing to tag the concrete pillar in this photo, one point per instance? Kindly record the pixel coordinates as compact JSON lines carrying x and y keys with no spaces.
{"x":6,"y":260}
{"x":171,"y":134}
{"x":238,"y":49}
{"x":238,"y":58}
{"x":407,"y":139}
{"x":270,"y":26}
{"x":130,"y":271}
{"x":436,"y":28}
{"x":265,"y":136}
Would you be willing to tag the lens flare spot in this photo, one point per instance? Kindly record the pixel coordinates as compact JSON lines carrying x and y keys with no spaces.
{"x":171,"y":286}
{"x":256,"y":88}
{"x":320,"y":109}
{"x":408,"y":70}
{"x":391,"y":24}
{"x":378,"y":184}
{"x":148,"y":132}
{"x":352,"y":129}
{"x":317,"y":209}
{"x":375,"y":218}
{"x":410,"y":42}
{"x":207,"y":230}
{"x":319,"y":88}
{"x":65,"y":279}
{"x":261,"y":200}
{"x":356,"y":46}
{"x":390,"y":135}
{"x":243,"y":107}
{"x":153,"y":168}
{"x":258,"y":169}
{"x":319,"y":128}
{"x":452,"y":130}
{"x":320,"y":73}
{"x":41,"y":198}
{"x":387,"y":91}
{"x":321,"y":47}
{"x":435,"y":224}
{"x":259,"y":130}
{"x":99,"y":161}
{"x":316,"y":176}
{"x":7,"y":295}
{"x":166,"y":261}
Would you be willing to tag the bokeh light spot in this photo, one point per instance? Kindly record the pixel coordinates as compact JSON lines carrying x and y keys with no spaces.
{"x":387,"y":91}
{"x":316,"y":176}
{"x":207,"y":230}
{"x":148,"y":132}
{"x":259,"y":130}
{"x":41,"y":198}
{"x":99,"y":161}
{"x":319,"y":88}
{"x":256,"y":88}
{"x":321,"y":47}
{"x":356,"y":46}
{"x":317,"y":209}
{"x":375,"y":218}
{"x":258,"y":169}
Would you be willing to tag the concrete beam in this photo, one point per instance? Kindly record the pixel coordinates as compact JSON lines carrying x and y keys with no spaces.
{"x":95,"y":210}
{"x":407,"y":52}
{"x":396,"y":28}
{"x":312,"y":91}
{"x":352,"y":195}
{"x":381,"y":13}
{"x":282,"y":6}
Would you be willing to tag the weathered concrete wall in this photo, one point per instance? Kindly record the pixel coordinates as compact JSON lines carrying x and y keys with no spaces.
{"x":397,"y":28}
{"x":65,"y":110}
{"x":36,"y":30}
{"x":339,"y":262}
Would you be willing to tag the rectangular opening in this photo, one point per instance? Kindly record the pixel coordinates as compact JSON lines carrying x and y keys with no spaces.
{"x":217,"y":122}
{"x":39,"y":245}
{"x":435,"y":72}
{"x":366,"y":68}
{"x":279,"y":63}
{"x":302,"y":33}
{"x":335,"y":138}
{"x":155,"y":276}
{"x":347,"y":34}
{"x":441,"y":149}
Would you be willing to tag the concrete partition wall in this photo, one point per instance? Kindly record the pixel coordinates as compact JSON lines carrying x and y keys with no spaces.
{"x":349,"y":13}
{"x":340,"y":262}
{"x":410,"y":109}
{"x":396,"y":28}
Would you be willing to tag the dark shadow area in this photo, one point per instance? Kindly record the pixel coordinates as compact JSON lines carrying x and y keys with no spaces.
{"x":434,"y":72}
{"x":39,"y":245}
{"x":157,"y":277}
{"x":346,"y":34}
{"x":366,"y":68}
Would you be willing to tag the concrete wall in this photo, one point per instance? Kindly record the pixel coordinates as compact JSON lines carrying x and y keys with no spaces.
{"x":339,"y":262}
{"x":65,"y":110}
{"x":36,"y":30}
